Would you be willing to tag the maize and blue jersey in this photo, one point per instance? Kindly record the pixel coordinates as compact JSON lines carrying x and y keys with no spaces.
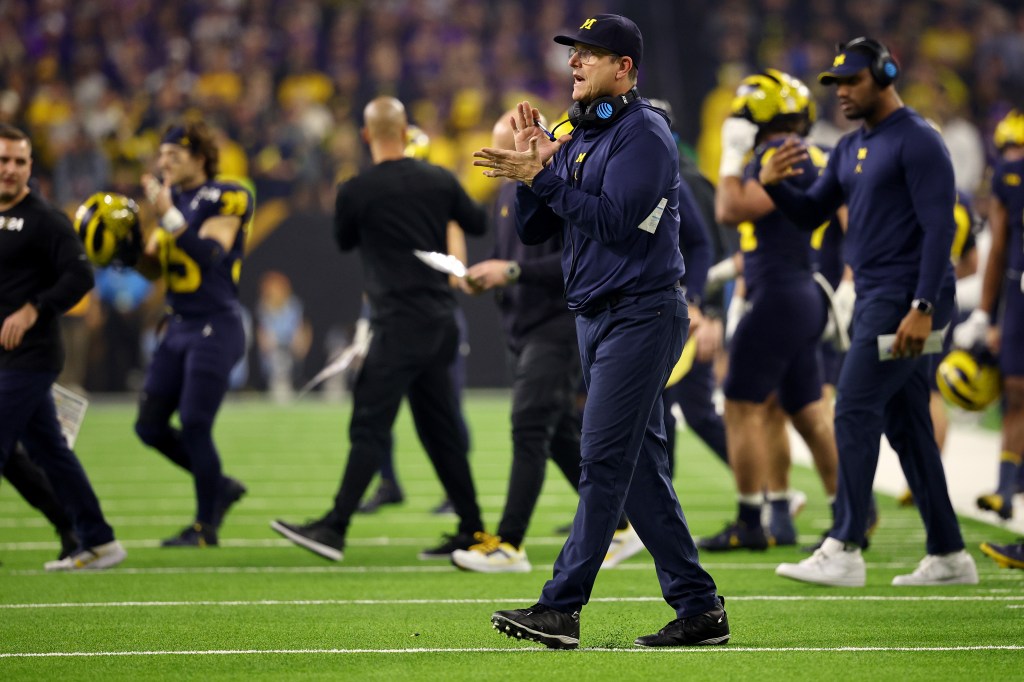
{"x":618,"y":213}
{"x":1007,"y":188}
{"x":193,"y":290}
{"x":897,"y":182}
{"x":776,"y":251}
{"x":765,"y":356}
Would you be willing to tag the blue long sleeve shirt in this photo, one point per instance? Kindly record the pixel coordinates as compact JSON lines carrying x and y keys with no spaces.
{"x":613,"y":193}
{"x":897,"y":182}
{"x":694,"y":242}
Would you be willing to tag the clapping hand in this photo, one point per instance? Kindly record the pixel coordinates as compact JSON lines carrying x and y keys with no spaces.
{"x":533,"y":149}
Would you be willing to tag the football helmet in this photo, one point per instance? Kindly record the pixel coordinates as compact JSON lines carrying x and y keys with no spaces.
{"x":770,"y":96}
{"x":968,"y":380}
{"x":108,"y":225}
{"x":1010,"y":131}
{"x":417,"y":143}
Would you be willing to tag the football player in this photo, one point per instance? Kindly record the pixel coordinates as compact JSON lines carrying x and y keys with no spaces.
{"x":1004,"y":278}
{"x":197,"y":250}
{"x":769,"y":361}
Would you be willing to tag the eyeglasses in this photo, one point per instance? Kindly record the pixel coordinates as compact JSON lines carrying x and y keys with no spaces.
{"x":588,"y":56}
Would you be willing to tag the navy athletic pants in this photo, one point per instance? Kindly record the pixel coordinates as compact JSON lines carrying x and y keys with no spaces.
{"x":627,"y":348}
{"x":891,"y":397}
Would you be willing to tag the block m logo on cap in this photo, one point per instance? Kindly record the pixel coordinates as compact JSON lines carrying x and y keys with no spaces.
{"x":588,"y":24}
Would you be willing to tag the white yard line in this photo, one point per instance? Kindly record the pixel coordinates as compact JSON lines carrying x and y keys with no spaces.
{"x":716,"y":650}
{"x":501,"y":600}
{"x":426,"y":567}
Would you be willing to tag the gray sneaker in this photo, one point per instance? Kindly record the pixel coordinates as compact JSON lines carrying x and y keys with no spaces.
{"x":92,"y":558}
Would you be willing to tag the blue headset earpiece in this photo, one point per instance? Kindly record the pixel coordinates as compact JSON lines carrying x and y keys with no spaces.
{"x":883,"y":67}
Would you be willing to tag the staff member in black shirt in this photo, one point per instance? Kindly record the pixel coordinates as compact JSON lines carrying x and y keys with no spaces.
{"x":43,"y":272}
{"x":388,"y":211}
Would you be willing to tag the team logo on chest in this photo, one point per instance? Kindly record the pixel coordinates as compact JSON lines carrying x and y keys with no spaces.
{"x":12,"y":224}
{"x":211,"y":194}
{"x":862,"y":154}
{"x":578,"y":166}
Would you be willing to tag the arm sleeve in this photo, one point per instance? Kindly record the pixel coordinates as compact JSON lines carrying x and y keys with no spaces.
{"x":929,"y":176}
{"x":346,"y":232}
{"x":205,"y":252}
{"x":809,"y":209}
{"x":695,"y":243}
{"x":633,"y":184}
{"x":546,"y":270}
{"x":535,"y":221}
{"x":471,"y":216}
{"x":75,"y":277}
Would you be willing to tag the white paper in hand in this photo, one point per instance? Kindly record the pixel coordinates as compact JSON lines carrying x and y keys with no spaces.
{"x":355,"y":351}
{"x":70,"y":412}
{"x":933,"y":344}
{"x":442,"y":262}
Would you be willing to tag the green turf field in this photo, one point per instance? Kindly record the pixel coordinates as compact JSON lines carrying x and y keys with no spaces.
{"x":260,"y":607}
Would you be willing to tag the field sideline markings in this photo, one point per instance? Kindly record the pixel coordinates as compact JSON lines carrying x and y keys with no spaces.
{"x":395,"y":602}
{"x":500,"y":650}
{"x":437,"y":567}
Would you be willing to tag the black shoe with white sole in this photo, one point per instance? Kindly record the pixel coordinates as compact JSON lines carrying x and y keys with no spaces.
{"x":710,"y":627}
{"x":450,"y":543}
{"x":540,"y":623}
{"x":316,"y":536}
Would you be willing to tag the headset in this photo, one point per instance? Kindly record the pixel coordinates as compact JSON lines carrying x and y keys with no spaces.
{"x":601,"y":111}
{"x":883,"y":67}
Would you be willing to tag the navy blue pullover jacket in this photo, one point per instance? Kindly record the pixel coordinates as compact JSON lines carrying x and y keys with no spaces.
{"x":897,"y":182}
{"x":532,"y":309}
{"x":613,"y":193}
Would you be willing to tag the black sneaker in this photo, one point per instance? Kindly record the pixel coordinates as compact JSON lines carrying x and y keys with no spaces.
{"x":539,"y":623}
{"x":450,"y":543}
{"x":68,"y":543}
{"x":196,"y":535}
{"x":231,"y":491}
{"x":711,"y":627}
{"x":388,"y":492}
{"x":736,"y":535}
{"x":316,"y":536}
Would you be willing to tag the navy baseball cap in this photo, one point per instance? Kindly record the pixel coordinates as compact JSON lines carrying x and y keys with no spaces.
{"x":847,"y":63}
{"x":611,"y":32}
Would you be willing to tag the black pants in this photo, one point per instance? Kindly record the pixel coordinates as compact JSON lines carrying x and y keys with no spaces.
{"x":545,"y":423}
{"x":408,"y":359}
{"x":31,"y":482}
{"x":29,"y":415}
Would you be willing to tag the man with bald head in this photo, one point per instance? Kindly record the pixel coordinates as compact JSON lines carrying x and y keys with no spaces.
{"x":397,"y":206}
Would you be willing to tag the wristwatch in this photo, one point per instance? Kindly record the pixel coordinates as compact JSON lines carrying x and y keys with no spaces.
{"x":922,"y":306}
{"x":512,"y":271}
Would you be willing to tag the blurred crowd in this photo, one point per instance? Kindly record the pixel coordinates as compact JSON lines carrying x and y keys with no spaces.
{"x":962,"y":63}
{"x":95,"y":81}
